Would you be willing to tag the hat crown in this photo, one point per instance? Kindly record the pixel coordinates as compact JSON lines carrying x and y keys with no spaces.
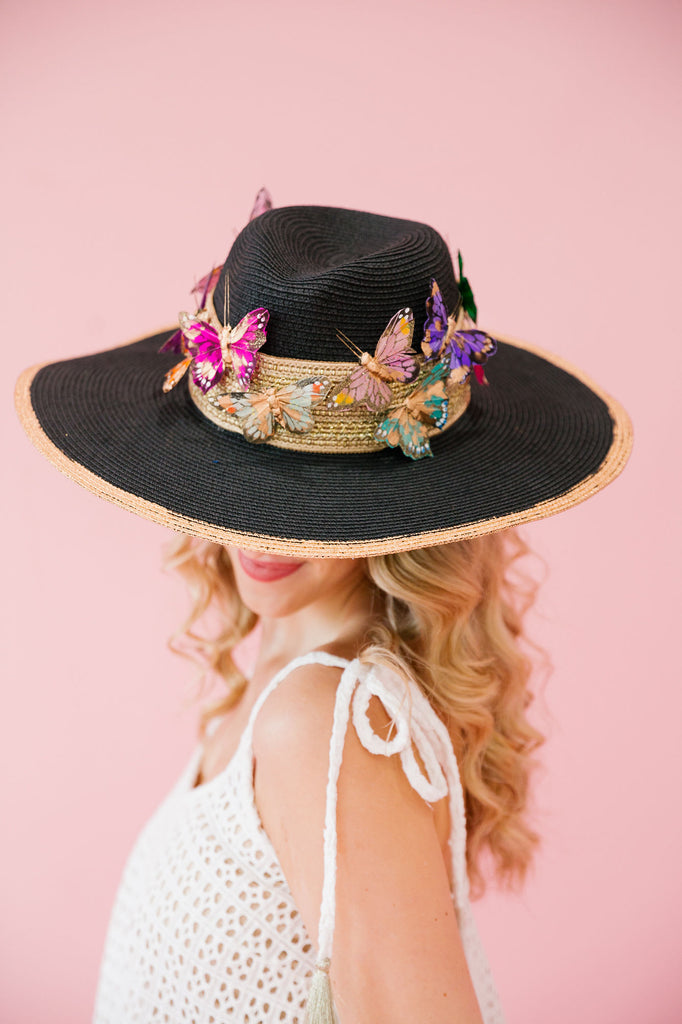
{"x":319,"y":270}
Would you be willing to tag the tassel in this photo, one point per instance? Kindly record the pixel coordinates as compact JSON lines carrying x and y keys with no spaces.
{"x":320,"y":1005}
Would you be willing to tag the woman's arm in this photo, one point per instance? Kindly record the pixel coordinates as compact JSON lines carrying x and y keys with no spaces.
{"x":397,"y":952}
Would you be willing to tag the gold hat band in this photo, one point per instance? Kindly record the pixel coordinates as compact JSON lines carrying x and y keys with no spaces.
{"x":336,"y":431}
{"x":340,"y":431}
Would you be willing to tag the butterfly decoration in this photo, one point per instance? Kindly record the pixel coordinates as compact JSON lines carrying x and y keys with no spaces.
{"x":211,"y":351}
{"x":206,"y":284}
{"x":260,"y":412}
{"x":178,"y":341}
{"x":394,"y":360}
{"x":211,"y":356}
{"x":408,"y":423}
{"x":215,"y":351}
{"x":262,"y":204}
{"x":465,"y":348}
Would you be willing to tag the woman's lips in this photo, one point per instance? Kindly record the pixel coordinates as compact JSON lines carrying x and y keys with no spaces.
{"x":266,"y":571}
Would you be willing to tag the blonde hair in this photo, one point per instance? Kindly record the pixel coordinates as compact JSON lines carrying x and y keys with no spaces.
{"x":451,"y":617}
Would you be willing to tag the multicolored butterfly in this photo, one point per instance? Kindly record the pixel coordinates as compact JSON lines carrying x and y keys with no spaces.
{"x":408,"y":423}
{"x":178,"y":342}
{"x":259,"y":412}
{"x":393,"y":360}
{"x":465,"y":348}
{"x":216,"y":350}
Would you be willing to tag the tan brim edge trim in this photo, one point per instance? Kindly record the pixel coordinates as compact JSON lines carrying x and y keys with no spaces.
{"x":612,"y":465}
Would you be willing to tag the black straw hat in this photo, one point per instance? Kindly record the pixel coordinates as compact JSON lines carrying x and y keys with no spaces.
{"x":531,"y":437}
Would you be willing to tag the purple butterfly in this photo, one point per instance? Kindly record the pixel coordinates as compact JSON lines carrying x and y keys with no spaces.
{"x":466,"y":349}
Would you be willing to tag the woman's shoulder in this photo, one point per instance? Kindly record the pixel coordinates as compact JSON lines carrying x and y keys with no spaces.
{"x":305,"y":725}
{"x":300,"y":708}
{"x":299,"y":713}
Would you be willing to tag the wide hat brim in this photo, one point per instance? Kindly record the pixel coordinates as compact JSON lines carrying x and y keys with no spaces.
{"x":540,"y":438}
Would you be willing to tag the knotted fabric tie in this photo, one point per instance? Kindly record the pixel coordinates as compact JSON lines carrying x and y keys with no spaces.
{"x":415,"y":727}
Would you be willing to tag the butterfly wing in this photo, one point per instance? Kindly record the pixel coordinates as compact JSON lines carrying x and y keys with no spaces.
{"x":429,"y":402}
{"x":207,"y":367}
{"x":362,"y":387}
{"x":244,"y":365}
{"x":468,"y":347}
{"x":296,"y":402}
{"x":196,"y":330}
{"x":250,"y":331}
{"x":459,"y":375}
{"x":394,"y":349}
{"x":484,"y":346}
{"x":253,"y":412}
{"x":401,"y":429}
{"x":263,"y":202}
{"x":436,"y":324}
{"x":175,"y":374}
{"x":206,"y":285}
{"x":435,"y":372}
{"x":245,"y":340}
{"x":341,"y":396}
{"x":175,"y":343}
{"x":408,"y":424}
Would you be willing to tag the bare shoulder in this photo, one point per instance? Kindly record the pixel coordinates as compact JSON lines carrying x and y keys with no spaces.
{"x":298,"y":711}
{"x":291,"y":746}
{"x":298,"y":717}
{"x":394,"y":911}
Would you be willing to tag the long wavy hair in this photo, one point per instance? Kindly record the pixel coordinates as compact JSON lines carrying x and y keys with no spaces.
{"x":450,"y":617}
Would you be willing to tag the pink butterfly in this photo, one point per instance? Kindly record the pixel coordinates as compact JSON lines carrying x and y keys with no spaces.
{"x":262,"y":204}
{"x":207,"y":284}
{"x":394,"y":360}
{"x":217,"y":351}
{"x":178,"y":341}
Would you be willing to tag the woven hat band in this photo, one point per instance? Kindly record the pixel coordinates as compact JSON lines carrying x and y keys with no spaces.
{"x":336,"y":431}
{"x":344,"y":431}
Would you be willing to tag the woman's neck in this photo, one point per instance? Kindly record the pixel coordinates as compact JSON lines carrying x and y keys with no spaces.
{"x":338,"y":619}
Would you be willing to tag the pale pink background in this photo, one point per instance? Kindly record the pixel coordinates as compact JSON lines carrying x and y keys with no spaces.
{"x":542,"y":139}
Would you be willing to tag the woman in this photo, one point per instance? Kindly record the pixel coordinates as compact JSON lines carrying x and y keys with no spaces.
{"x":329,"y":806}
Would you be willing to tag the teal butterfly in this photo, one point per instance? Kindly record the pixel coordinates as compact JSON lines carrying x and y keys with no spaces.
{"x":407,"y":424}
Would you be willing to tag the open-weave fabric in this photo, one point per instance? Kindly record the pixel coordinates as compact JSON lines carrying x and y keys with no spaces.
{"x":204,"y":927}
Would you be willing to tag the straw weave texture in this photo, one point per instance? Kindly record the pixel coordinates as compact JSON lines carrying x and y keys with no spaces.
{"x":540,"y":439}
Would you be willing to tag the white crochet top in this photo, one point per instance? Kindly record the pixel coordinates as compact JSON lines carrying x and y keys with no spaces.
{"x":204,"y":928}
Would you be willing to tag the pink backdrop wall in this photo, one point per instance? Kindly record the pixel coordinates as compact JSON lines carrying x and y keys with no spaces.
{"x":541,"y":138}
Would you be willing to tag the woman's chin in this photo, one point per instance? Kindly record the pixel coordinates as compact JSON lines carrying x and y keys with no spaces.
{"x":271,"y":587}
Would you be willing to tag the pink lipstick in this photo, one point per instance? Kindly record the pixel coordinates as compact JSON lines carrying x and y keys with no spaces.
{"x":265,"y":570}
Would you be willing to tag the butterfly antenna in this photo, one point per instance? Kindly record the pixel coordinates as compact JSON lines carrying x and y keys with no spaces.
{"x":349,"y":344}
{"x":226,"y":300}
